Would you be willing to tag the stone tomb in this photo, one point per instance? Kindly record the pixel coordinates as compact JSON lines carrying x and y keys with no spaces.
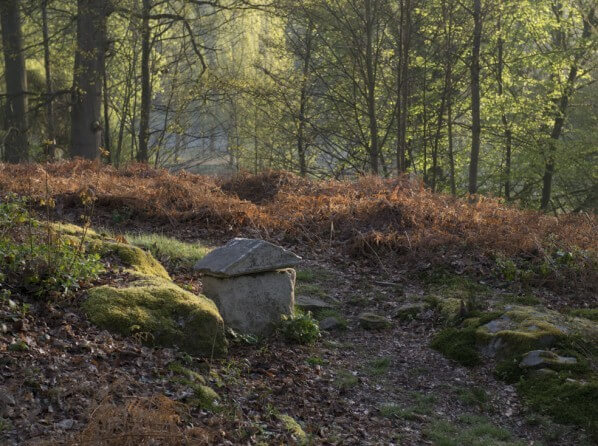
{"x":252,"y":283}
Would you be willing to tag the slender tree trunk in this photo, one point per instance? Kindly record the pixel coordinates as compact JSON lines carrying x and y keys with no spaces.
{"x":560,"y":107}
{"x":405,"y":38}
{"x":448,"y":16}
{"x":86,"y":127}
{"x":16,"y":144}
{"x":475,"y":97}
{"x":505,"y":122}
{"x":146,"y":86}
{"x":301,"y":143}
{"x":106,"y":111}
{"x":50,"y":130}
{"x":371,"y":86}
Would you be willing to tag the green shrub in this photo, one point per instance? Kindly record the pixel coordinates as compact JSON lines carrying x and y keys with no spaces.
{"x":300,"y":328}
{"x":34,"y":260}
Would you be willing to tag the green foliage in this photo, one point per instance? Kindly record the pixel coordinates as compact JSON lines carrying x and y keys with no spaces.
{"x":345,"y":379}
{"x":300,"y":328}
{"x":470,"y":430}
{"x":587,"y":313}
{"x":566,"y":399}
{"x":170,"y":251}
{"x":458,"y":344}
{"x":379,"y":366}
{"x":35,"y":260}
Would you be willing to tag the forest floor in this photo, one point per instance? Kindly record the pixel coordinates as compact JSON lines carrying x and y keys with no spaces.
{"x":72,"y":383}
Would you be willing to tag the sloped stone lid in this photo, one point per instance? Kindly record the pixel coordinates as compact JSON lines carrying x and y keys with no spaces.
{"x":242,"y":256}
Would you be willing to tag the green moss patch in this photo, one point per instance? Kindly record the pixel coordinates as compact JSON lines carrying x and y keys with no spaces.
{"x":140,"y":261}
{"x":565,"y":399}
{"x":587,"y":313}
{"x":469,"y":430}
{"x":458,"y":344}
{"x":163,"y":313}
{"x":293,"y":428}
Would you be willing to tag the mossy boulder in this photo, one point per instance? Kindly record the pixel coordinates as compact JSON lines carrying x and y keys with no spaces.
{"x":521,"y":329}
{"x":162,"y":313}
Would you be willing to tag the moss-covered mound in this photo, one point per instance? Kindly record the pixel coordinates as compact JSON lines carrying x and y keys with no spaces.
{"x":161,"y":313}
{"x":140,"y":261}
{"x":521,"y":329}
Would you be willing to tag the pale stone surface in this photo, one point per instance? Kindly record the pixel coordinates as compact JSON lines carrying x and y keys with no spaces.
{"x":310,"y":303}
{"x":541,"y":359}
{"x":242,"y":256}
{"x":253,"y":304}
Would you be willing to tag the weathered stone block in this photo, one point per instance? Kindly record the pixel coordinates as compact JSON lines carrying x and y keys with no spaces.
{"x":242,"y":256}
{"x":253,"y":304}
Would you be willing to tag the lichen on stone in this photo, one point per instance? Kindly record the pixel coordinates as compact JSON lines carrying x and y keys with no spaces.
{"x":162,"y":313}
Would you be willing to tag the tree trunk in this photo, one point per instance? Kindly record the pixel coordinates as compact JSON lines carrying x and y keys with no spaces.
{"x":405,"y":35}
{"x":301,"y":143}
{"x":475,"y":97}
{"x":16,"y":145}
{"x":50,"y":130}
{"x":146,"y":86}
{"x":505,"y":122}
{"x":371,"y":86}
{"x":560,"y":108}
{"x":86,"y":127}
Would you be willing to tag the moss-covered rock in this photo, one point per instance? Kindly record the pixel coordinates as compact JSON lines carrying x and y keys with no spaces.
{"x":140,"y":261}
{"x":164,"y":313}
{"x":74,"y":230}
{"x":521,"y":329}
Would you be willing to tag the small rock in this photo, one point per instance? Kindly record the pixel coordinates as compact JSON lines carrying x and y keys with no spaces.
{"x":372,"y":321}
{"x":540,"y":359}
{"x":309,"y":303}
{"x":410,"y":310}
{"x":65,"y":424}
{"x":331,"y":323}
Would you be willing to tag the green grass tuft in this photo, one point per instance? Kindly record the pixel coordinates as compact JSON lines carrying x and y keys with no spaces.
{"x":458,"y":345}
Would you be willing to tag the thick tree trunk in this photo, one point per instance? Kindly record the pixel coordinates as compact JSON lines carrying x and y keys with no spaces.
{"x":16,"y":145}
{"x":475,"y":97}
{"x":146,"y":86}
{"x":86,"y":126}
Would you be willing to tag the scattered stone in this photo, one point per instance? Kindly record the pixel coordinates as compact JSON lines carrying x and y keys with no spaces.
{"x":372,"y":321}
{"x":332,"y":323}
{"x":242,"y":256}
{"x":309,"y":303}
{"x":410,"y":310}
{"x":253,"y":304}
{"x":541,"y":359}
{"x":65,"y":424}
